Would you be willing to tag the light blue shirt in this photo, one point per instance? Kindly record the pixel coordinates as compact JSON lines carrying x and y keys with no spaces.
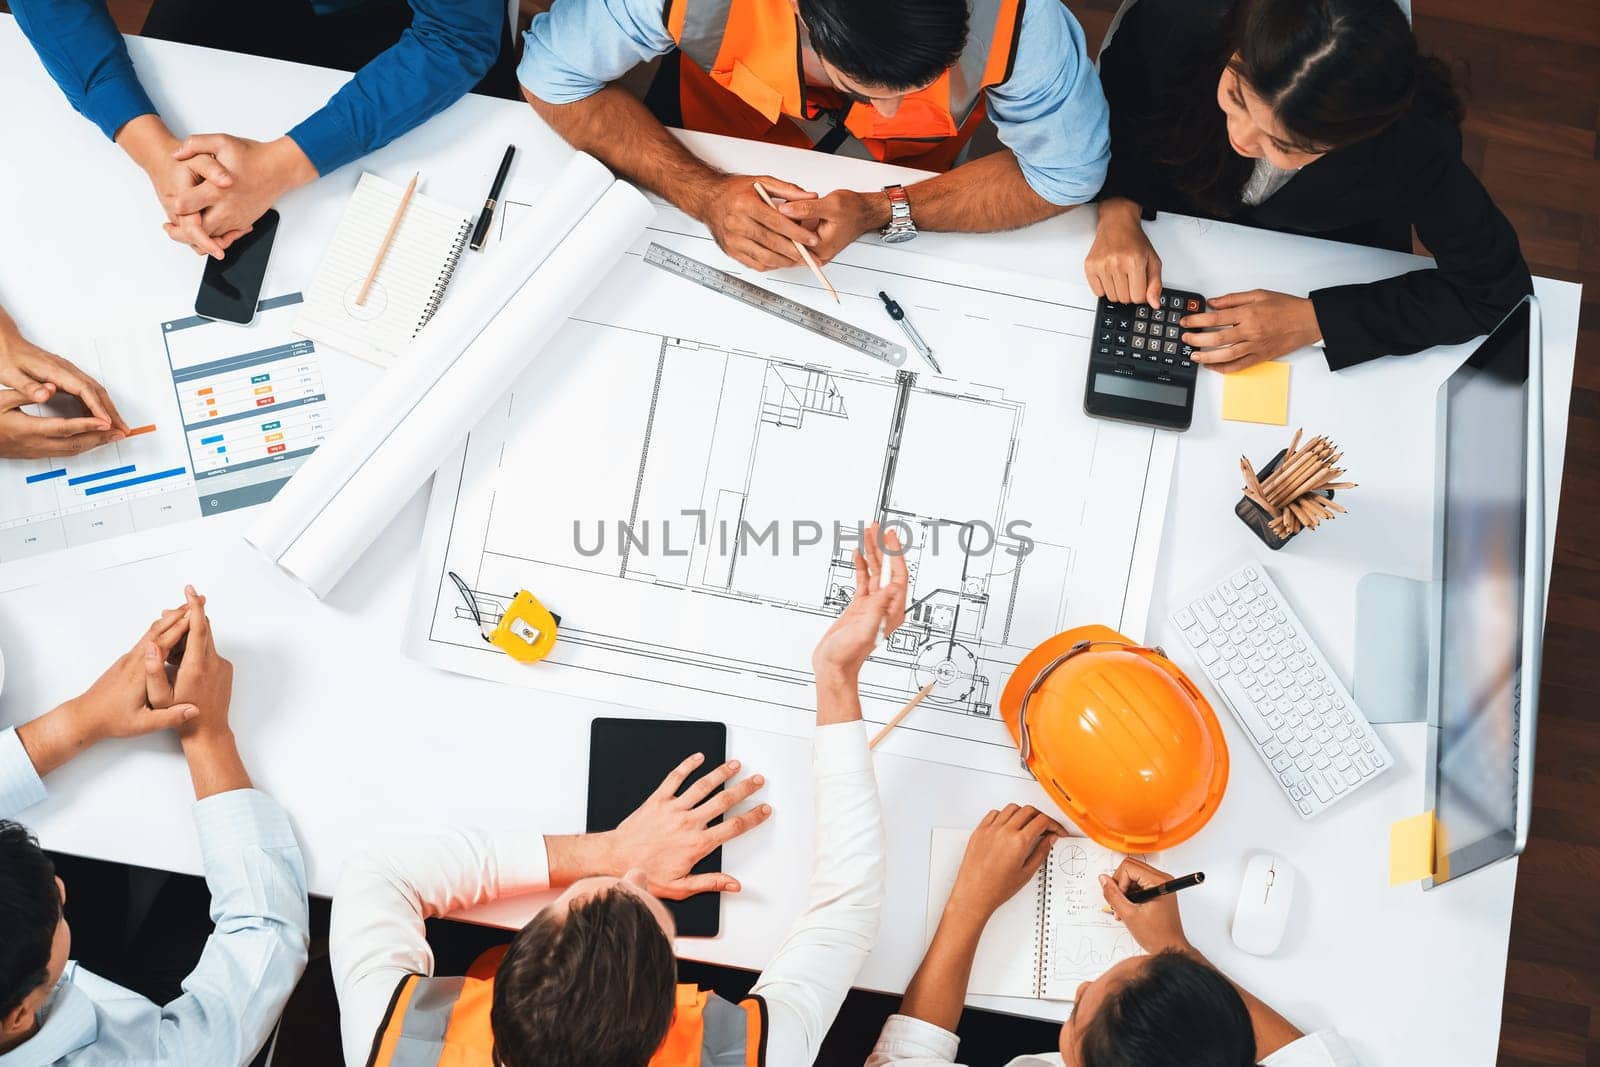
{"x":1051,"y":112}
{"x":233,"y":997}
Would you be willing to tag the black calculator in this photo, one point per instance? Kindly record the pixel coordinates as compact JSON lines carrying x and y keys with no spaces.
{"x":1139,"y":368}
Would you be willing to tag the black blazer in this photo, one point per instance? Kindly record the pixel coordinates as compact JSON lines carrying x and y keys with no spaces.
{"x":1369,"y":193}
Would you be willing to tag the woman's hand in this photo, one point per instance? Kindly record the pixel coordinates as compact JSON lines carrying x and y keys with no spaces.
{"x":1250,"y":328}
{"x":1155,"y":924}
{"x":1003,"y":853}
{"x":1122,"y":264}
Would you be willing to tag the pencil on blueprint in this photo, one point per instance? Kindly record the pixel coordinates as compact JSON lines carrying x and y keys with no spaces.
{"x":805,"y":253}
{"x":902,"y":713}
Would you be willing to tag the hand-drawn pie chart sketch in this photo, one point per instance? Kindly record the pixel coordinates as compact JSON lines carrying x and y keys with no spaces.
{"x":1071,"y":860}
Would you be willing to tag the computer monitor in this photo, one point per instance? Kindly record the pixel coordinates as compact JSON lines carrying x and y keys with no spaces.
{"x":1488,"y":606}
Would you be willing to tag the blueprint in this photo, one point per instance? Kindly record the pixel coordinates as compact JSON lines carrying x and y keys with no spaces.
{"x":681,"y":479}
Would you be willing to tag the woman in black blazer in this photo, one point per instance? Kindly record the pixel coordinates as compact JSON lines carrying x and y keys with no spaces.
{"x":1309,"y":116}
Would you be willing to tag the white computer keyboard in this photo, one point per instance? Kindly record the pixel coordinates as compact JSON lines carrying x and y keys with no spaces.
{"x":1251,"y":645}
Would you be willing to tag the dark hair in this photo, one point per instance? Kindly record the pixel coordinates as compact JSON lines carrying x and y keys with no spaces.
{"x":1335,"y":72}
{"x":1175,"y":1009}
{"x":595,"y":988}
{"x":895,"y":44}
{"x":30,"y":909}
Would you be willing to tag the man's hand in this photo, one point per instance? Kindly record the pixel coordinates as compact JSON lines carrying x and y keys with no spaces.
{"x":1122,"y":264}
{"x":30,"y":375}
{"x":184,"y":188}
{"x":669,"y":834}
{"x":750,"y":231}
{"x":204,"y":679}
{"x":261,"y":171}
{"x":874,"y":610}
{"x":839,"y":218}
{"x":1002,"y":855}
{"x":25,"y":436}
{"x":1156,"y":924}
{"x":1255,"y":326}
{"x":118,"y":704}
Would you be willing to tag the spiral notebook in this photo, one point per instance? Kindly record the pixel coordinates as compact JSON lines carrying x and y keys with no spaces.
{"x":1048,"y":938}
{"x":409,"y":285}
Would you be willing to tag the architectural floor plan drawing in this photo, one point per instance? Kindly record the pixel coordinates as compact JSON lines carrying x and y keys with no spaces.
{"x":682,"y":480}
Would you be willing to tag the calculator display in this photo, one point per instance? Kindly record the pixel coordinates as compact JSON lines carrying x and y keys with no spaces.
{"x":1140,"y":389}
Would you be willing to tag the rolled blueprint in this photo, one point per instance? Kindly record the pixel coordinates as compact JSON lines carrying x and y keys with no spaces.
{"x":480,"y":341}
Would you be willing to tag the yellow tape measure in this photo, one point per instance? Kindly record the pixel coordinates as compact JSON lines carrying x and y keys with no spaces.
{"x":527,"y":629}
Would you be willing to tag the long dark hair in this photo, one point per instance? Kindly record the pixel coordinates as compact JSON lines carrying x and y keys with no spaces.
{"x":1335,"y":72}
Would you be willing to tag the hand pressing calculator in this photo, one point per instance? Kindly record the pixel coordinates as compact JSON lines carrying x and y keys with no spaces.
{"x":1139,"y":368}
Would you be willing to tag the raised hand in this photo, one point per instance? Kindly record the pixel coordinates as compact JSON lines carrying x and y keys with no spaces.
{"x":876,"y":609}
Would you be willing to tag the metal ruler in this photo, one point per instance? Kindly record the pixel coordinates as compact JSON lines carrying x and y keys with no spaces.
{"x":720,"y":281}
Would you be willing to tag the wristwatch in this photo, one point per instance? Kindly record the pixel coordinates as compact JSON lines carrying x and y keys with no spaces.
{"x":900,"y":227}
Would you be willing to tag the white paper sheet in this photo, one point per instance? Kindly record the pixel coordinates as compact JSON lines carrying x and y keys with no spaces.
{"x":464,"y":358}
{"x":682,"y":414}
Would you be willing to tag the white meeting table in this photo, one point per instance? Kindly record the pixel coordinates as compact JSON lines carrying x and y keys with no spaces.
{"x":357,"y":741}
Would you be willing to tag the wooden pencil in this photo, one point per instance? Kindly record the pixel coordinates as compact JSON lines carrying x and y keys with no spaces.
{"x":383,"y":249}
{"x":805,"y":253}
{"x":902,"y":713}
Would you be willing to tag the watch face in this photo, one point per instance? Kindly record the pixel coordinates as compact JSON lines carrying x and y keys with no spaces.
{"x":895,"y":237}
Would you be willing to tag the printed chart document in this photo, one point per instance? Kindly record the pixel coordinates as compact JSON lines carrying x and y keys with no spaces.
{"x":1048,"y":938}
{"x":221,"y":417}
{"x":667,"y":477}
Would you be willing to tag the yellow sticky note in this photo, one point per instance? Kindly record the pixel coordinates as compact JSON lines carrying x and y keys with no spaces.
{"x":1411,"y":849}
{"x":1259,"y":394}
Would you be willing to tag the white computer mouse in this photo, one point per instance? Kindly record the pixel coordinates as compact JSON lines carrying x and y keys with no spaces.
{"x":1264,"y":901}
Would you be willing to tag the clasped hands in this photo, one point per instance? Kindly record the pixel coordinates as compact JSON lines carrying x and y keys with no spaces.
{"x":213,"y":187}
{"x":763,"y":237}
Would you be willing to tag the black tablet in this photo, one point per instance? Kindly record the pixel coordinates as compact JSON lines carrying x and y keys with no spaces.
{"x":628,"y":758}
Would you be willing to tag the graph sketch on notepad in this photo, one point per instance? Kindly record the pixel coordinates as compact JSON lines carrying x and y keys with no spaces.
{"x":669,"y":473}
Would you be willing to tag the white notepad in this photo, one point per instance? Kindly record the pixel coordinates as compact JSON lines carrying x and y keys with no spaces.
{"x":1049,"y":937}
{"x":409,"y":285}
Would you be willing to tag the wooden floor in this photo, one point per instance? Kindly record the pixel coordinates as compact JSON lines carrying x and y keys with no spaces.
{"x":1533,"y":136}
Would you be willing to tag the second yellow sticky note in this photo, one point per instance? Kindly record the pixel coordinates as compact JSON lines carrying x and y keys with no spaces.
{"x":1259,"y":394}
{"x":1411,"y":849}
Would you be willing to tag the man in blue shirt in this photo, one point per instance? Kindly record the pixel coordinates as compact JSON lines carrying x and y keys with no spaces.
{"x":904,"y":81}
{"x":213,"y":187}
{"x":52,"y":1011}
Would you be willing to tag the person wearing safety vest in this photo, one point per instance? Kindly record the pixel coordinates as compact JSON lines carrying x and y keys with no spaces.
{"x":902,"y":81}
{"x":591,"y":980}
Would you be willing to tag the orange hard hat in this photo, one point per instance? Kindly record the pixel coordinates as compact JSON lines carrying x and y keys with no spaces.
{"x":1119,"y":737}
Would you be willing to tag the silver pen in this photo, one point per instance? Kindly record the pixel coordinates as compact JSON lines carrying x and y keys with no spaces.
{"x":898,"y":314}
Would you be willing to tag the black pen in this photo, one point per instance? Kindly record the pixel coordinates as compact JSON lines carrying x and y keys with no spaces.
{"x":480,"y":231}
{"x":1144,"y":894}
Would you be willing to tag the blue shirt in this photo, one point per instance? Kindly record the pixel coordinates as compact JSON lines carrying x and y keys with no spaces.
{"x":1051,"y":112}
{"x":233,"y":997}
{"x":449,"y":47}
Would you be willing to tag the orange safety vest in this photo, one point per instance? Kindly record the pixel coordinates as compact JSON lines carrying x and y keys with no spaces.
{"x":444,"y":1022}
{"x":740,"y":74}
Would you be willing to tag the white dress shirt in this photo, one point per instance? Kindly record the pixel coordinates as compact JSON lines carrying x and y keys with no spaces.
{"x":232,"y":999}
{"x":377,"y":936}
{"x":908,"y":1042}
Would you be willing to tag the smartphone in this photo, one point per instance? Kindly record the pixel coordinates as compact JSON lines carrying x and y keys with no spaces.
{"x":628,"y":758}
{"x":231,"y":286}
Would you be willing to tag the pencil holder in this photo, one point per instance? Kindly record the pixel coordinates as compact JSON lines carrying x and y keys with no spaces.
{"x":1258,"y":519}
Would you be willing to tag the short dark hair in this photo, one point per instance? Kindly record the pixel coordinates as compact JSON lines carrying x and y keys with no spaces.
{"x":593,"y":988}
{"x":896,"y":44}
{"x":30,"y":909}
{"x":1175,"y":1009}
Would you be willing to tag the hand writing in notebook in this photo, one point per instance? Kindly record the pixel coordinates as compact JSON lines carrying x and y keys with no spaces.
{"x":1155,"y":924}
{"x":1003,"y":854}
